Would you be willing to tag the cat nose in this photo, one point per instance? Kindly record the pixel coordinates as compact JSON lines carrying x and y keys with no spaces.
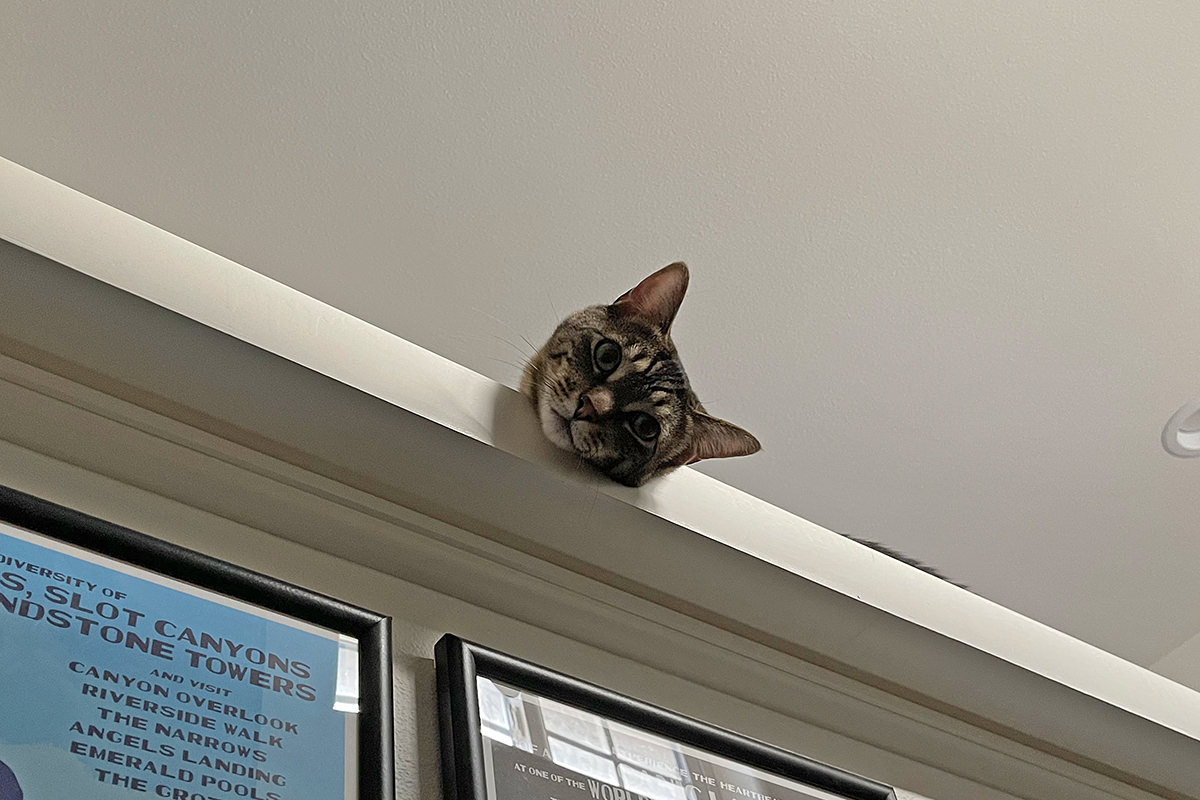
{"x":585,"y":409}
{"x":594,"y":404}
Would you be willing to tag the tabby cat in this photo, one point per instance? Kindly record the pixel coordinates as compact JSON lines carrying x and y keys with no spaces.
{"x":609,"y":387}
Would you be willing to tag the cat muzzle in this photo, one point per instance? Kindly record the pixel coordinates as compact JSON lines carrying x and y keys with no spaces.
{"x":594,"y":404}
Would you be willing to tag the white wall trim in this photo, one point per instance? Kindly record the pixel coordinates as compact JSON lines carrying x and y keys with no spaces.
{"x":864,"y":728}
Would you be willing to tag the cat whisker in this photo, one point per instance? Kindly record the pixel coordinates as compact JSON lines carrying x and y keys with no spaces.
{"x":532,"y":349}
{"x":505,"y":361}
{"x":477,"y":340}
{"x":517,"y":347}
{"x":550,"y":300}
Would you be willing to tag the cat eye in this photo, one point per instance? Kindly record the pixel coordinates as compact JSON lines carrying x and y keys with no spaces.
{"x":644,"y":426}
{"x":607,"y":355}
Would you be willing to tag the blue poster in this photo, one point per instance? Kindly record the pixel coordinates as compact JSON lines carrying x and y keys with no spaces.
{"x":119,"y":683}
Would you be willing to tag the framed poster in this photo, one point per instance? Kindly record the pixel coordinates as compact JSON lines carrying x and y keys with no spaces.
{"x":512,"y":730}
{"x":133,"y":668}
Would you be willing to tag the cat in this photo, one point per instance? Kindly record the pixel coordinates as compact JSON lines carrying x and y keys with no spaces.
{"x":609,"y":386}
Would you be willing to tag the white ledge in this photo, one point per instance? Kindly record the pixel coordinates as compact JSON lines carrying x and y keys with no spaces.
{"x":798,"y":587}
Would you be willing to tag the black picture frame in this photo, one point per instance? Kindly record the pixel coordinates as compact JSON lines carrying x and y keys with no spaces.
{"x":375,"y":759}
{"x":460,"y":663}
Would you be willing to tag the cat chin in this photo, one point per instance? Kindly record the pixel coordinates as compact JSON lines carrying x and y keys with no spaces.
{"x":555,"y":427}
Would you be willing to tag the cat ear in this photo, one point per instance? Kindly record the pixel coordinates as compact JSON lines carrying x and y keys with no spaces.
{"x":716,"y":438}
{"x":656,"y":299}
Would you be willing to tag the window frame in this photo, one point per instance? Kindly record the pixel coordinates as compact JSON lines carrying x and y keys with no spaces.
{"x":459,"y":663}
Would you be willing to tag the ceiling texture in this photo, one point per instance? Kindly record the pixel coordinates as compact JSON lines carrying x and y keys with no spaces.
{"x":945,"y":256}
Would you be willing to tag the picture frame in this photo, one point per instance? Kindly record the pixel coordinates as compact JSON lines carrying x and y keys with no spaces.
{"x":513,"y":730}
{"x":151,"y":670}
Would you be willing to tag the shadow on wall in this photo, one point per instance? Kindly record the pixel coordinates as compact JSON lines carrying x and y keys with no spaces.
{"x":428,"y":750}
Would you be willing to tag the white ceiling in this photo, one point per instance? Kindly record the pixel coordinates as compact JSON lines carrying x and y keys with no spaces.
{"x":945,"y":258}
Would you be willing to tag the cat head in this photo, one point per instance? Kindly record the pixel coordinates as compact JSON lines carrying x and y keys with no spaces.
{"x":608,"y":386}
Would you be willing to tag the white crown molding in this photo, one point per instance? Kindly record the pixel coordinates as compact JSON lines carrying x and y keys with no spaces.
{"x":292,"y":384}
